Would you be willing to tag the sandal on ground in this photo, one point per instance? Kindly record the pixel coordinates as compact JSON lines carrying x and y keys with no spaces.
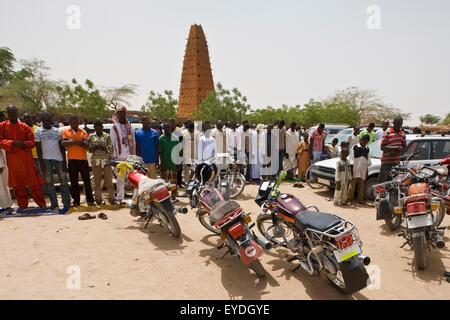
{"x":86,"y":216}
{"x":103,"y":216}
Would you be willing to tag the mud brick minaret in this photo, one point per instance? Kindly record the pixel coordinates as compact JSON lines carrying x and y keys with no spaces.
{"x":196,"y":78}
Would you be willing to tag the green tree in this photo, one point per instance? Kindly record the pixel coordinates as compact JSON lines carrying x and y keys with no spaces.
{"x":7,"y":61}
{"x":160,"y":106}
{"x":446,"y":120}
{"x":87,"y":102}
{"x":30,"y":88}
{"x":223,"y":104}
{"x":116,"y":96}
{"x":369,"y":106}
{"x":429,"y":119}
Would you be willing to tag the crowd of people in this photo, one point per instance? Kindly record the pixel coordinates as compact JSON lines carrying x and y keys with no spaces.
{"x":35,"y":155}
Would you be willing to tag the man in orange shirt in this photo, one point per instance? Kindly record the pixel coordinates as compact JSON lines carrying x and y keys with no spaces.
{"x":76,"y":142}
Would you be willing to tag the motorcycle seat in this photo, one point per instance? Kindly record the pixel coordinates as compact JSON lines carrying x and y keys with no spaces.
{"x":416,"y":198}
{"x":319,"y":221}
{"x":221,"y":210}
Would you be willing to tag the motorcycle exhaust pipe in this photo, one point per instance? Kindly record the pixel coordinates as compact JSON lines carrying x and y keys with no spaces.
{"x":266,"y":245}
{"x":440,"y":242}
{"x":364,"y":259}
{"x":182,"y":210}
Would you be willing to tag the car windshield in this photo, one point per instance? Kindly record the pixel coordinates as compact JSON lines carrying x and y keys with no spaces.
{"x":375,"y":149}
{"x":341,"y":136}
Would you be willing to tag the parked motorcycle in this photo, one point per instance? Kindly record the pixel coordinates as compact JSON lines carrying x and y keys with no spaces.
{"x":421,"y":213}
{"x":215,"y":173}
{"x":389,"y":193}
{"x":197,"y":190}
{"x":233,"y":224}
{"x":151,"y":197}
{"x":228,"y":181}
{"x":323,"y":243}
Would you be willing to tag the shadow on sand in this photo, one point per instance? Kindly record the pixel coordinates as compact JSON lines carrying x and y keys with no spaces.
{"x":237,"y":279}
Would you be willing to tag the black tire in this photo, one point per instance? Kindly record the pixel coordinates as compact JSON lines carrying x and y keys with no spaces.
{"x":394,"y":223}
{"x":368,"y":188}
{"x":420,"y":252}
{"x":203,"y":217}
{"x":341,"y":286}
{"x":238,"y":177}
{"x":258,"y":268}
{"x":311,"y":183}
{"x":441,"y":214}
{"x":268,"y":217}
{"x":173,"y":226}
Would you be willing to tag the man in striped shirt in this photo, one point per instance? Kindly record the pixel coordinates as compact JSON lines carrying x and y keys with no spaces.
{"x":393,"y":144}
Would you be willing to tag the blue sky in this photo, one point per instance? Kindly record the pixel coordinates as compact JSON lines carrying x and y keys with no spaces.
{"x":275,"y":52}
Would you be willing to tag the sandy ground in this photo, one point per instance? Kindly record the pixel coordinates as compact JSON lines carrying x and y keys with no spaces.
{"x":118,"y":259}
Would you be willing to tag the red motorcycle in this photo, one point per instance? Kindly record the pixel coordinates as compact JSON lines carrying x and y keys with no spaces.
{"x":151,"y":197}
{"x":232,"y":223}
{"x":422,"y":214}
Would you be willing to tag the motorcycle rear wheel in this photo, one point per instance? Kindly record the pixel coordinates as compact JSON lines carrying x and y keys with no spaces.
{"x":420,"y":252}
{"x":203,"y":217}
{"x":258,"y":268}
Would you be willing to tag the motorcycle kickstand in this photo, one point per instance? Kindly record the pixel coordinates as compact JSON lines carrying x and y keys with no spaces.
{"x":406,"y":242}
{"x":148,"y":221}
{"x":223,"y":256}
{"x":291,"y":259}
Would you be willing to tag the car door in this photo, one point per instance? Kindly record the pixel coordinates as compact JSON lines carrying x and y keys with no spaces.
{"x":424,"y":156}
{"x":440,"y":149}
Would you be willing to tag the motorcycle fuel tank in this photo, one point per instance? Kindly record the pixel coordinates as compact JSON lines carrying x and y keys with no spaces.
{"x":290,"y":204}
{"x":135,"y":177}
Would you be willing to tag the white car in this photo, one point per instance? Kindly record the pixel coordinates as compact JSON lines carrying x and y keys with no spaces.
{"x":432,"y":150}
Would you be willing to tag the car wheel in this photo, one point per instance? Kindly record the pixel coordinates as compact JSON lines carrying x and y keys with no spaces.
{"x":368,"y":188}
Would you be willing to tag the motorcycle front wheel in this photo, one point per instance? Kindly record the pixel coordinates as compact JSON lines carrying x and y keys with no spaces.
{"x":440,"y":214}
{"x":258,"y":268}
{"x":225,"y":193}
{"x":310,"y":180}
{"x":203,"y":217}
{"x":394,"y":222}
{"x":237,"y":186}
{"x":273,"y":232}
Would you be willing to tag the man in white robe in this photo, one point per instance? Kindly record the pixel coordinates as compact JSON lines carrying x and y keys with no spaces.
{"x":292,"y":142}
{"x":123,"y":140}
{"x":5,"y":196}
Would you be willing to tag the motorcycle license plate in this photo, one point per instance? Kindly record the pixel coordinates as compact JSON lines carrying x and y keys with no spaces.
{"x":347,"y":253}
{"x":419,"y":221}
{"x":322,"y":181}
